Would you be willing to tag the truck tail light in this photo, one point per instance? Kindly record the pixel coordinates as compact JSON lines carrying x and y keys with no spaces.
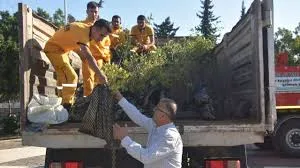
{"x":73,"y":165}
{"x":222,"y":164}
{"x":66,"y":165}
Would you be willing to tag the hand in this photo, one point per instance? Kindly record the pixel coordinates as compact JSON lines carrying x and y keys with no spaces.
{"x":117,"y":95}
{"x":120,"y":132}
{"x":145,"y":47}
{"x":103,"y":78}
{"x":140,"y":46}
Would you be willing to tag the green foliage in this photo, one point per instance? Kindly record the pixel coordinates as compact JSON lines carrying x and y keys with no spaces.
{"x":296,"y":46}
{"x":288,"y":41}
{"x":10,"y":124}
{"x":243,"y":11}
{"x":9,"y":26}
{"x":71,"y":18}
{"x":139,"y":74}
{"x":101,"y":2}
{"x":165,"y":29}
{"x":9,"y":60}
{"x":283,"y":40}
{"x":117,"y":75}
{"x":59,"y":18}
{"x":149,"y":19}
{"x":42,"y":13}
{"x":297,"y":30}
{"x":207,"y":26}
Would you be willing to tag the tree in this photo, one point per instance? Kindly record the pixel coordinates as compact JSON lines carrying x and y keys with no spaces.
{"x":58,"y":18}
{"x":9,"y":56}
{"x":297,"y":30}
{"x":296,"y":46}
{"x":288,"y":41}
{"x":149,"y":19}
{"x":165,"y":29}
{"x":100,"y":4}
{"x":9,"y":26}
{"x":42,"y":13}
{"x":283,"y":40}
{"x":243,"y":11}
{"x":207,"y":26}
{"x":71,"y":18}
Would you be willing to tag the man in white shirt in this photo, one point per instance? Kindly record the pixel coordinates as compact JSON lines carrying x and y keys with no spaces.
{"x":164,"y":146}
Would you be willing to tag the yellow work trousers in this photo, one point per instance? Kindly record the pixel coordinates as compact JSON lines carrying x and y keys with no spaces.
{"x":90,"y":79}
{"x":66,"y":75}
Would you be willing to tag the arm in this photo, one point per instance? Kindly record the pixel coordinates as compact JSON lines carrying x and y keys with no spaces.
{"x":92,"y":62}
{"x":152,"y":41}
{"x":158,"y":151}
{"x":133,"y":38}
{"x":78,"y":52}
{"x":133,"y":113}
{"x":150,"y":33}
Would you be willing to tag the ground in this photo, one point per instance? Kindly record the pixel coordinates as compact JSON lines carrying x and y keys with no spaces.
{"x":14,"y":155}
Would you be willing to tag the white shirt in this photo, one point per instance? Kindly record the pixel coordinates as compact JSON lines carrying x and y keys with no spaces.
{"x":164,"y":147}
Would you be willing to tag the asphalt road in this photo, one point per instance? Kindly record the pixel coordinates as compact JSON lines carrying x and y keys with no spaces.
{"x":14,"y":155}
{"x":258,"y":158}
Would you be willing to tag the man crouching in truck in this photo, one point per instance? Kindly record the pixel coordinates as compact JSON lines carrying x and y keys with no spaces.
{"x":71,"y":37}
{"x":142,"y":36}
{"x":164,"y":147}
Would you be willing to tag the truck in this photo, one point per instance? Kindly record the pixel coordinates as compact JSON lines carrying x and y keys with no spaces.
{"x":286,"y":136}
{"x":244,"y":83}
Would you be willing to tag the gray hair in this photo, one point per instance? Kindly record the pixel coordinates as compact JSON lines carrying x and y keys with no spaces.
{"x":171,"y":107}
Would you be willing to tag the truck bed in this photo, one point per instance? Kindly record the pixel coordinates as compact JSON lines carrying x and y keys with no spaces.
{"x":194,"y":133}
{"x":243,"y":81}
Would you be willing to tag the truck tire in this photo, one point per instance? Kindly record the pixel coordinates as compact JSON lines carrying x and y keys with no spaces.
{"x":288,"y":138}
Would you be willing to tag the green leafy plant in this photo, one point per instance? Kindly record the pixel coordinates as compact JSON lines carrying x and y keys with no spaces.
{"x":139,"y":75}
{"x":10,"y":124}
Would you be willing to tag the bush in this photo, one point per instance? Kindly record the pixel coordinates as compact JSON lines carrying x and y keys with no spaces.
{"x":10,"y":124}
{"x":139,"y":75}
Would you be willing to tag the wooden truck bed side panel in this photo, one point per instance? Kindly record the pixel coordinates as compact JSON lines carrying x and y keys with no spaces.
{"x":240,"y":69}
{"x":37,"y":75}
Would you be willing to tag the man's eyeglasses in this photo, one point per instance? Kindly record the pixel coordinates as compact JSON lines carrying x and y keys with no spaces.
{"x":159,"y":109}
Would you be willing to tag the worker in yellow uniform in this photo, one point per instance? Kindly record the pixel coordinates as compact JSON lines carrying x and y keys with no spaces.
{"x":71,"y":37}
{"x":117,"y":38}
{"x":142,"y":36}
{"x":100,"y":51}
{"x":92,"y":11}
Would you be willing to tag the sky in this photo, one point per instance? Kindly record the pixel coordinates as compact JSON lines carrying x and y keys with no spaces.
{"x":181,"y":12}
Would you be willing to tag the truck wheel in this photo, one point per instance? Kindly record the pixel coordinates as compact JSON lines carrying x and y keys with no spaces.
{"x":288,"y":138}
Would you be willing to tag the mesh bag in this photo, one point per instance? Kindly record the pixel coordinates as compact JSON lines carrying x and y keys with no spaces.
{"x":79,"y":108}
{"x":99,"y":117}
